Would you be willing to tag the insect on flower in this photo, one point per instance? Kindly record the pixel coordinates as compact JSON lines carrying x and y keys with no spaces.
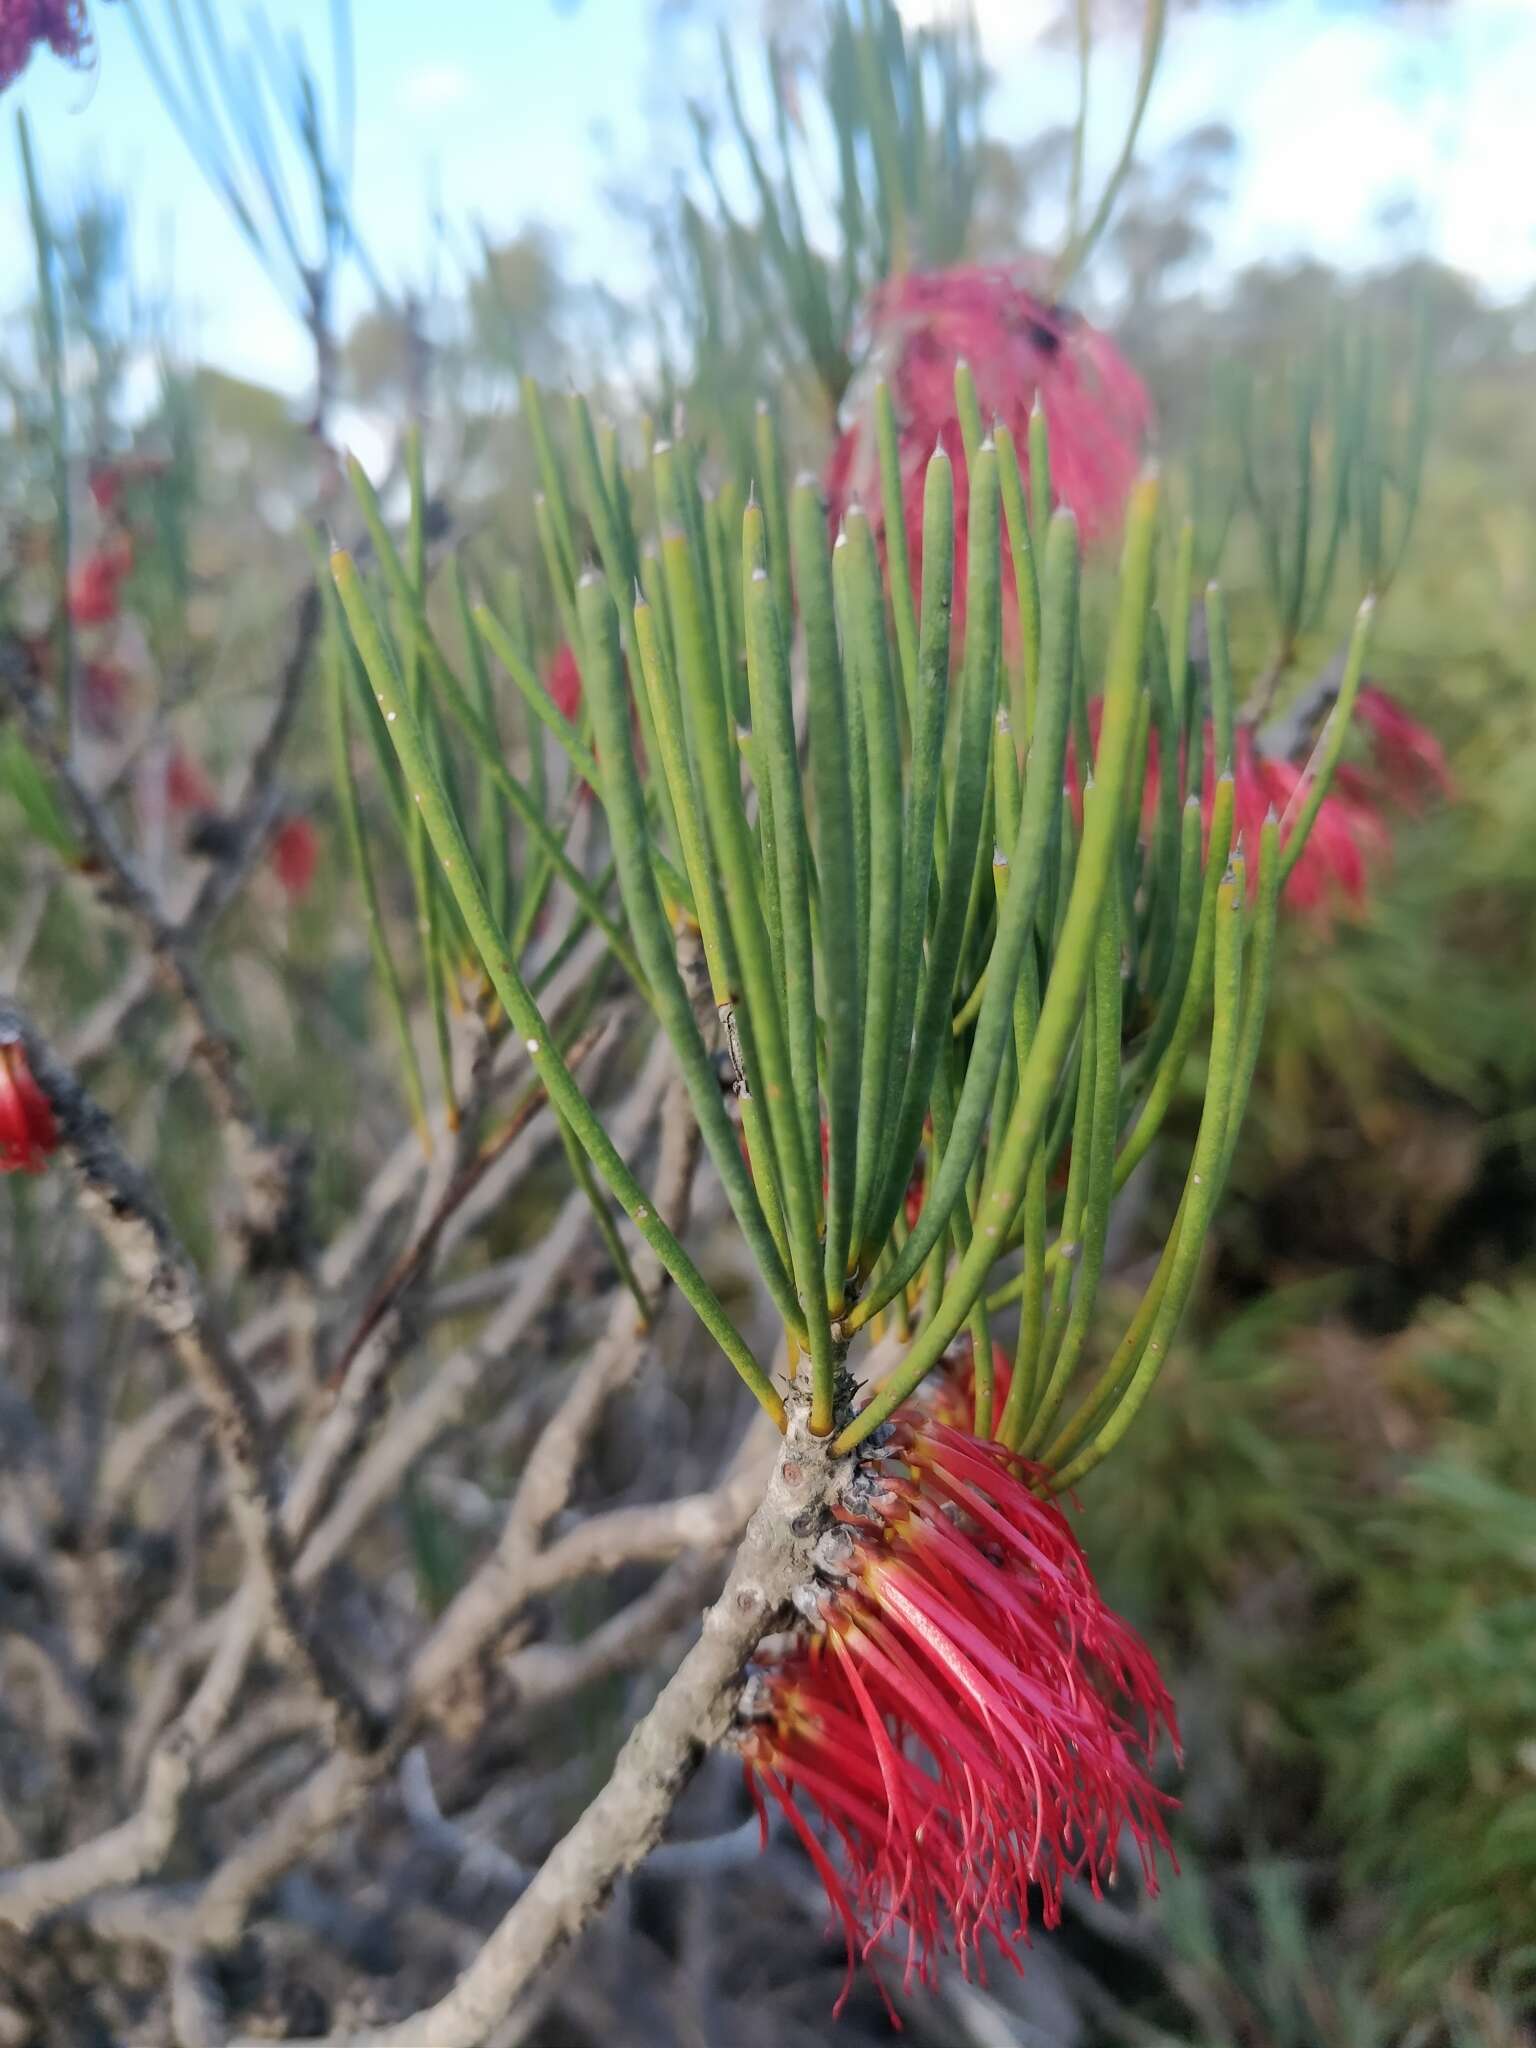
{"x":28,"y":1132}
{"x":961,"y":1725}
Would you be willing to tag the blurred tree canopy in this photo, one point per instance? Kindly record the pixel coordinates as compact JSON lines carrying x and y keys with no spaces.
{"x":515,"y":302}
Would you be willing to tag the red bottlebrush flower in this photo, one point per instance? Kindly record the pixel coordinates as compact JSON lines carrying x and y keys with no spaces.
{"x":295,"y":856}
{"x":564,"y":686}
{"x":968,"y":1722}
{"x":1018,"y":348}
{"x":1351,"y":837}
{"x":24,"y":24}
{"x":106,"y":486}
{"x":187,"y":787}
{"x":1409,"y":761}
{"x":564,"y":682}
{"x":109,"y":480}
{"x":28,"y":1132}
{"x":95,"y":586}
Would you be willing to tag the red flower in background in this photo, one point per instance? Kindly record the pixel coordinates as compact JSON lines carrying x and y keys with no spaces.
{"x":106,"y":486}
{"x":1405,"y":768}
{"x":1409,"y":761}
{"x":294,"y":852}
{"x":1018,"y":348}
{"x":187,"y":787}
{"x":28,"y":1132}
{"x":24,"y":24}
{"x":109,"y":480}
{"x":564,"y":683}
{"x":966,"y":1722}
{"x":95,"y":587}
{"x":295,"y":856}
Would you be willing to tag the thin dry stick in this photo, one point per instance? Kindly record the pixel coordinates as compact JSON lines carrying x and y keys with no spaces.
{"x":268,"y":1169}
{"x":376,"y":1477}
{"x":253,"y":814}
{"x":122,"y":886}
{"x":168,"y":1291}
{"x":627,"y":1817}
{"x":485,"y":1607}
{"x":337,"y":1787}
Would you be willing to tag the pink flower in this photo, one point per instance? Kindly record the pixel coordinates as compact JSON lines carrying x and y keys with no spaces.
{"x":965,"y":1727}
{"x":28,"y":1132}
{"x":1018,"y":348}
{"x":61,"y":24}
{"x":295,"y":856}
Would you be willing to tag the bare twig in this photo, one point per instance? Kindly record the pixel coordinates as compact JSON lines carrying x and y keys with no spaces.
{"x":413,"y":1262}
{"x":252,"y":816}
{"x":483,"y":1861}
{"x":121,"y":884}
{"x":169,"y":1293}
{"x":270,"y":1170}
{"x":29,"y":1894}
{"x":197,"y":2010}
{"x":499,"y":1588}
{"x":627,"y":1817}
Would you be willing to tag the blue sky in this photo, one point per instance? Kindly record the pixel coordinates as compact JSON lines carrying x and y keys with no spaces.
{"x":518,"y":109}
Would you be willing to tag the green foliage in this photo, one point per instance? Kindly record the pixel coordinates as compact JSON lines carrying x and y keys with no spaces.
{"x":1428,"y":1741}
{"x":1371,"y":1511}
{"x":514,"y":303}
{"x":1255,"y":1489}
{"x":1341,"y":1535}
{"x":762,"y":298}
{"x":815,"y":882}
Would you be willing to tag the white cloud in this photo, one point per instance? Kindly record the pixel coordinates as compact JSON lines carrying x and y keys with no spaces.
{"x":370,"y":436}
{"x":435,"y":88}
{"x":1007,"y":26}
